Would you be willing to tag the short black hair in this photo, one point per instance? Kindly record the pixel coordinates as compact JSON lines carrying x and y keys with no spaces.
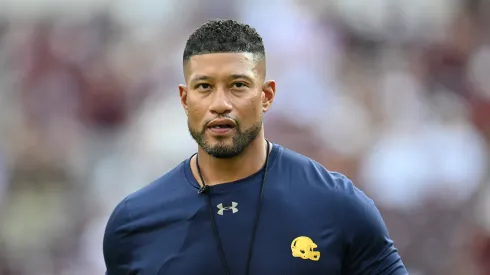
{"x":224,"y":36}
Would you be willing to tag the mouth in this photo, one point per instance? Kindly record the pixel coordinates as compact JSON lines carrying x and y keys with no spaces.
{"x":221,"y":126}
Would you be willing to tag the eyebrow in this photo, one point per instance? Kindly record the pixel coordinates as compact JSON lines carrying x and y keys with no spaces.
{"x":200,"y":78}
{"x":233,"y":76}
{"x":243,"y":76}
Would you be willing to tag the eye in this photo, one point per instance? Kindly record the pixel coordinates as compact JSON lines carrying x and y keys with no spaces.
{"x":202,"y":86}
{"x":239,"y":85}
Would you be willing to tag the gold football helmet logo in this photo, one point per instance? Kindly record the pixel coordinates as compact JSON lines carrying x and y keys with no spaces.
{"x":304,"y":248}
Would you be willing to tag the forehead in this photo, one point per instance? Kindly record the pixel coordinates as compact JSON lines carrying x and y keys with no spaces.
{"x":218,"y":65}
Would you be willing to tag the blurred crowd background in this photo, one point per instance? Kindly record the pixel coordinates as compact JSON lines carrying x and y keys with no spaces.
{"x":393,"y":93}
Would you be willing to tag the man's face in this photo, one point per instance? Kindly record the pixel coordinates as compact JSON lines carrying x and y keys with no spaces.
{"x":225,"y":99}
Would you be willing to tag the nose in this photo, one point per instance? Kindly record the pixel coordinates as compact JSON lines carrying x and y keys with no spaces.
{"x":220,"y":102}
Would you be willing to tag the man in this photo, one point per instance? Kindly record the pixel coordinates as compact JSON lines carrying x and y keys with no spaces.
{"x":243,"y":205}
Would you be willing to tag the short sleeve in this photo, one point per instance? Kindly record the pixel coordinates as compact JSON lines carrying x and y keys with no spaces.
{"x":368,"y":249}
{"x":116,"y":244}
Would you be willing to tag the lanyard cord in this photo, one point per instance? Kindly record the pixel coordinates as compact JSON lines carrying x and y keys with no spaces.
{"x":255,"y":223}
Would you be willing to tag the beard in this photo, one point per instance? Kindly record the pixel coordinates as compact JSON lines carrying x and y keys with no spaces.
{"x":240,"y":140}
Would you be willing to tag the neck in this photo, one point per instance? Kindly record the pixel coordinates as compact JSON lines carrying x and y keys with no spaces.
{"x":216,"y":171}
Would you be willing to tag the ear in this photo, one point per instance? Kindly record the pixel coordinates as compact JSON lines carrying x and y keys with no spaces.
{"x":268,"y":94}
{"x":183,"y":97}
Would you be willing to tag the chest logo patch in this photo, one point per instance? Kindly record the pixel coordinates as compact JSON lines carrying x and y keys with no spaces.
{"x":304,"y":248}
{"x":222,"y":209}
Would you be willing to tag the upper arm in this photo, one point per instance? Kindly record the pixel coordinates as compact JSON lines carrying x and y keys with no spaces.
{"x":368,"y":247}
{"x":116,"y":244}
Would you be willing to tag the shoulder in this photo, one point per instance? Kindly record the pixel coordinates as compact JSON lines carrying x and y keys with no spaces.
{"x":326,"y":188}
{"x":152,"y":195}
{"x":169,"y":181}
{"x":315,"y":174}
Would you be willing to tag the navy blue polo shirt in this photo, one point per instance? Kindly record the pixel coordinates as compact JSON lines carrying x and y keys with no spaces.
{"x":312,"y":222}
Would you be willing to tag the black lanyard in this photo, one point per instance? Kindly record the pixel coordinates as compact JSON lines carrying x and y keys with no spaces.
{"x":203,"y":190}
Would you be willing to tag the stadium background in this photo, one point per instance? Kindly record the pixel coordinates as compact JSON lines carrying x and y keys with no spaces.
{"x":393,"y":93}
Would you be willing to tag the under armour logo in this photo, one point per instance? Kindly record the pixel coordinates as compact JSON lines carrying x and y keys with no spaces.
{"x":232,"y":208}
